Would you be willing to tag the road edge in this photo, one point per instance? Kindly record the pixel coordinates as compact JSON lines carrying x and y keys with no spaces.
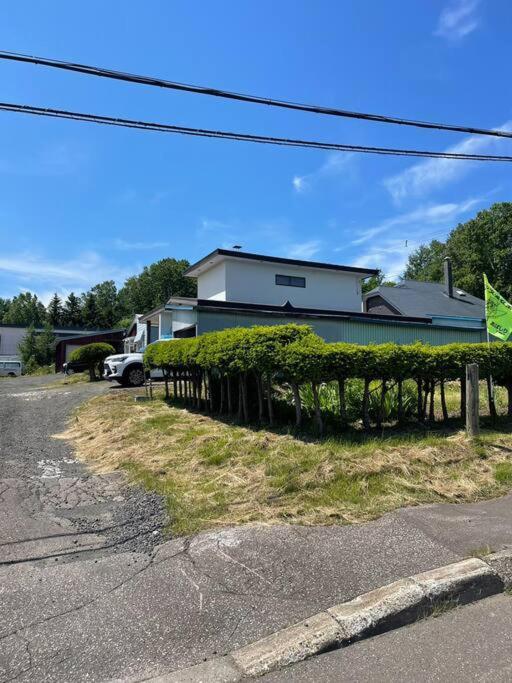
{"x":383,"y":609}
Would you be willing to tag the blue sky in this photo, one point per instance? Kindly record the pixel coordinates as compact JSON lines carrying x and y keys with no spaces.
{"x":83,"y":203}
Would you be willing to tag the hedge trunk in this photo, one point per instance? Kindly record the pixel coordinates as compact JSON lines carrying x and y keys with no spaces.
{"x":366,"y":404}
{"x":490,"y":397}
{"x":318,"y":413}
{"x":443,"y":401}
{"x":298,"y":404}
{"x":269,"y":401}
{"x":259,"y":389}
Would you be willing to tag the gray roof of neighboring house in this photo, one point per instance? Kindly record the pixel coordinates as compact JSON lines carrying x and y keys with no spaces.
{"x":411,"y":297}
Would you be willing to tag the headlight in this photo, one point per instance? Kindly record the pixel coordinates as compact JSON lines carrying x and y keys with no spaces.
{"x":119,"y":359}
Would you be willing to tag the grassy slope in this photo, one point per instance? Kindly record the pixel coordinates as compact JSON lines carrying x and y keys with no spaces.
{"x":217,"y":473}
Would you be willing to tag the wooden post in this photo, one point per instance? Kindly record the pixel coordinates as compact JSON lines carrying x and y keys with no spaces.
{"x":472,"y":400}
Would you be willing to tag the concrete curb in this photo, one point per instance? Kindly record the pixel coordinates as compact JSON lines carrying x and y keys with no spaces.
{"x":380,"y":610}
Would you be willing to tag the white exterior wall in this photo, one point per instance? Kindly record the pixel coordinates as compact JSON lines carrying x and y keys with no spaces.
{"x":181,"y":319}
{"x":255,"y":282}
{"x":10,"y":337}
{"x":212,"y":283}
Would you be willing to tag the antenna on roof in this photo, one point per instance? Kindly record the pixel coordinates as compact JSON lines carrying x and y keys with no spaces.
{"x":237,"y":246}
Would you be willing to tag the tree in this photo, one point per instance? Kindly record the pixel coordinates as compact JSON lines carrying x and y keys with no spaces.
{"x":28,"y":346}
{"x":484,"y":245}
{"x":376,"y":281}
{"x":37,"y":349}
{"x":93,"y":355}
{"x":154,"y":286}
{"x":4,"y":307}
{"x":89,"y":311}
{"x":25,"y":309}
{"x":105,"y":295}
{"x":481,"y":245}
{"x":72,"y":311}
{"x":426,"y":263}
{"x":54,"y":311}
{"x":45,"y":346}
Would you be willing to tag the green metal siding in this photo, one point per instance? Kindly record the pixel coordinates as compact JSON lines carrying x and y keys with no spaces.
{"x":355,"y":331}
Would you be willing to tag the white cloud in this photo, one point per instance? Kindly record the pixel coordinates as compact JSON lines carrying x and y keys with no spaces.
{"x":304,"y":250}
{"x":335,"y":163}
{"x":390,"y":257}
{"x":426,"y":176}
{"x":457,"y":19}
{"x":127,"y":246}
{"x":77,"y":274}
{"x":433,"y":214}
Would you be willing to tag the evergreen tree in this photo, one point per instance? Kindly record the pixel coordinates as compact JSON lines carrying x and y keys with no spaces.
{"x":54,"y":311}
{"x":72,"y":311}
{"x":4,"y":307}
{"x":45,"y":346}
{"x":89,"y":311}
{"x":27,"y":348}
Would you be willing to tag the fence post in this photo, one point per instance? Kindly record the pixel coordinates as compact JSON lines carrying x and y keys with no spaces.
{"x":472,"y":400}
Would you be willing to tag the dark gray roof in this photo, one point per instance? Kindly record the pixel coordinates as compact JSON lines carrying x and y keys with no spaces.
{"x":411,"y":297}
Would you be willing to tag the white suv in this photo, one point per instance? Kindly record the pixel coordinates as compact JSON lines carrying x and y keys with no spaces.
{"x":127,"y":369}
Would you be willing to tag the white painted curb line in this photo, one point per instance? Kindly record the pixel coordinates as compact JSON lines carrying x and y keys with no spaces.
{"x":383,"y":609}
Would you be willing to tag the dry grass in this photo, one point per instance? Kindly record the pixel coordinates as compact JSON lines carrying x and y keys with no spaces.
{"x":215,"y":473}
{"x":66,"y":380}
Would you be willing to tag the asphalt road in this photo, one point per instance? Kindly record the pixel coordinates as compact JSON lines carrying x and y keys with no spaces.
{"x":87,"y":595}
{"x":472,"y":643}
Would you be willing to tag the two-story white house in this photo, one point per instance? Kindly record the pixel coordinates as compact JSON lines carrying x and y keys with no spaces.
{"x":240,"y":289}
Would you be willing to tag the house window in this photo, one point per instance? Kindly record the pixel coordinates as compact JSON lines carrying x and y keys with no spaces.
{"x":290,"y":281}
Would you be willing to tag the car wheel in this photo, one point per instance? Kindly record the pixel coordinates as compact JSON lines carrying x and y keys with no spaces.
{"x":11,"y":374}
{"x":134,"y":377}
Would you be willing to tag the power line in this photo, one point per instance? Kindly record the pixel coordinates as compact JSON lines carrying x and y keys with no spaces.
{"x":241,"y":137}
{"x":254,"y":99}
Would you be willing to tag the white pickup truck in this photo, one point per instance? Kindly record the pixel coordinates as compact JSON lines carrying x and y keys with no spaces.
{"x":127,"y":369}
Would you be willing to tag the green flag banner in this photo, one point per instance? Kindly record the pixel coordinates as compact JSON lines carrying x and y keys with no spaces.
{"x":498,"y":313}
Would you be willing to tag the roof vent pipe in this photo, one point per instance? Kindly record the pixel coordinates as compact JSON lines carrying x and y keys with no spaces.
{"x":448,"y":277}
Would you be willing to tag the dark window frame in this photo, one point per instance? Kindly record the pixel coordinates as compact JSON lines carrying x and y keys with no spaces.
{"x":290,"y":281}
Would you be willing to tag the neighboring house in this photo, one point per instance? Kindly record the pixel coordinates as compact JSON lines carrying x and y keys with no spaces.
{"x":67,"y":345}
{"x":440,"y":301}
{"x":135,"y":338}
{"x":239,"y":289}
{"x":12,"y":335}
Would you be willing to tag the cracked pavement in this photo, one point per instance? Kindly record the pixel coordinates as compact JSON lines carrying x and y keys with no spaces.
{"x":89,"y":591}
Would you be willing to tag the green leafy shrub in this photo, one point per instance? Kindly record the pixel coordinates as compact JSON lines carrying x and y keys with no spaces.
{"x":92,"y":354}
{"x":241,"y":368}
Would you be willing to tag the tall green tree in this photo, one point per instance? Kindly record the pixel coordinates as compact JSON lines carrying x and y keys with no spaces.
{"x":89,"y":311}
{"x":27,"y":348}
{"x":481,"y":245}
{"x":25,"y":309}
{"x":426,"y":263}
{"x":72,"y":311}
{"x":54,"y":311}
{"x":107,"y":305}
{"x":45,"y":346}
{"x":155,"y":285}
{"x":4,"y":307}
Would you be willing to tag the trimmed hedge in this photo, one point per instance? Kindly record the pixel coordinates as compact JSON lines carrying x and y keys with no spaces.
{"x":240,"y":369}
{"x":92,"y":354}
